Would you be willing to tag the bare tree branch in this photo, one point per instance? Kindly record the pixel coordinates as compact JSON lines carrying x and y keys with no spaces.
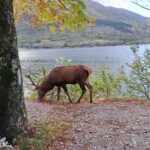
{"x":144,"y":7}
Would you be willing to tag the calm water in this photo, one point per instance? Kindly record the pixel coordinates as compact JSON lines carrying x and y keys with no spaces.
{"x":33,"y":59}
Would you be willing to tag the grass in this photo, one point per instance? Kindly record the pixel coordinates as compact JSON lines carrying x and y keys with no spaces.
{"x":41,"y":135}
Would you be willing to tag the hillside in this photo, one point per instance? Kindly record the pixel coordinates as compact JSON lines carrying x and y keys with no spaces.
{"x":99,"y":11}
{"x":113,"y":26}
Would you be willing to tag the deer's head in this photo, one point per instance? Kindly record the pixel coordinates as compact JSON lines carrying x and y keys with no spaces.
{"x":41,"y":92}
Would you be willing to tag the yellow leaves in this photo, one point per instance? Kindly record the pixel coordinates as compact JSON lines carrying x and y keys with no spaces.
{"x":61,"y":28}
{"x":37,"y":1}
{"x":52,"y":28}
{"x":24,"y":6}
{"x":65,"y":13}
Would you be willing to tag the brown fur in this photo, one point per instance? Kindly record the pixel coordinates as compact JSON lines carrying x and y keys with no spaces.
{"x":60,"y":76}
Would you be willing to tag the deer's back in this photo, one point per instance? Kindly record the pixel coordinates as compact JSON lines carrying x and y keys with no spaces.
{"x":69,"y":74}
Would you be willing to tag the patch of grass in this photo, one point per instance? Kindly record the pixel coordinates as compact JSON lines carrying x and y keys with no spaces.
{"x":40,"y":135}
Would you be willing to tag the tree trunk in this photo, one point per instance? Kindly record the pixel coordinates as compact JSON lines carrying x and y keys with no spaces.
{"x":12,"y":106}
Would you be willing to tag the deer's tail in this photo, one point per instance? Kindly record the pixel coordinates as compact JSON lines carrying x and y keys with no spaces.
{"x":89,"y":70}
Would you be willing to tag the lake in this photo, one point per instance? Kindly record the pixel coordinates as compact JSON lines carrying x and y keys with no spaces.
{"x":117,"y":56}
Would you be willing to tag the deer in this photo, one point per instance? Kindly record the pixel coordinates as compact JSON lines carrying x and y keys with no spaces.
{"x":61,"y":76}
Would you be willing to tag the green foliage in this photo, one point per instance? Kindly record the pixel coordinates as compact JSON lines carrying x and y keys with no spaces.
{"x":58,"y":14}
{"x":138,"y":82}
{"x":63,"y":62}
{"x":39,"y":135}
{"x":106,"y":84}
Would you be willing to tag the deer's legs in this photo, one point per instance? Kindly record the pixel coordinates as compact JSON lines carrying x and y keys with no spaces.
{"x":83,"y":92}
{"x":88,"y":85}
{"x":58,"y":90}
{"x":66,"y":91}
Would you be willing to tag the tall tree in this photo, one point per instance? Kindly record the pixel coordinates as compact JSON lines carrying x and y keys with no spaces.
{"x":12,"y":107}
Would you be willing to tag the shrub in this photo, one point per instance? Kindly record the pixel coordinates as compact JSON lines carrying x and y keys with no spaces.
{"x":138,"y":82}
{"x":106,"y":84}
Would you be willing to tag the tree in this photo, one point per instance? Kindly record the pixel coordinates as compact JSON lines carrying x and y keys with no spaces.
{"x":12,"y":107}
{"x":138,"y":82}
{"x":58,"y":14}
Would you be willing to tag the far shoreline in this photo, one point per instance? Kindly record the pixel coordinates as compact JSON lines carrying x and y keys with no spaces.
{"x":84,"y":46}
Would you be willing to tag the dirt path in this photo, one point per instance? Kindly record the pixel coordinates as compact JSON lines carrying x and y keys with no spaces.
{"x":103,"y":126}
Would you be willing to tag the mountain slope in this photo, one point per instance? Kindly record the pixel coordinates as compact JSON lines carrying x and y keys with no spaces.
{"x":113,"y":26}
{"x":97,"y":10}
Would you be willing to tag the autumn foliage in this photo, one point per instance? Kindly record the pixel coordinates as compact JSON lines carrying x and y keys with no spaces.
{"x":57,"y":14}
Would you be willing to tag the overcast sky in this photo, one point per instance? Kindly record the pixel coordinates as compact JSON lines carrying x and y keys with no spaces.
{"x":127,"y":4}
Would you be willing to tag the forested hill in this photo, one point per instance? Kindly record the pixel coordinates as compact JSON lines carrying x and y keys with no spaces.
{"x":113,"y":26}
{"x":110,"y":13}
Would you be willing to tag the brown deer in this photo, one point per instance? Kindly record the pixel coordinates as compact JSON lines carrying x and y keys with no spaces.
{"x":60,"y":76}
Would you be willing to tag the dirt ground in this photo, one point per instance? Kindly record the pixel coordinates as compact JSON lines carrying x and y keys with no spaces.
{"x":108,"y":125}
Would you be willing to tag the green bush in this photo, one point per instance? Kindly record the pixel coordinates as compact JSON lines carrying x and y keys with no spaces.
{"x":138,"y":82}
{"x":106,"y":84}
